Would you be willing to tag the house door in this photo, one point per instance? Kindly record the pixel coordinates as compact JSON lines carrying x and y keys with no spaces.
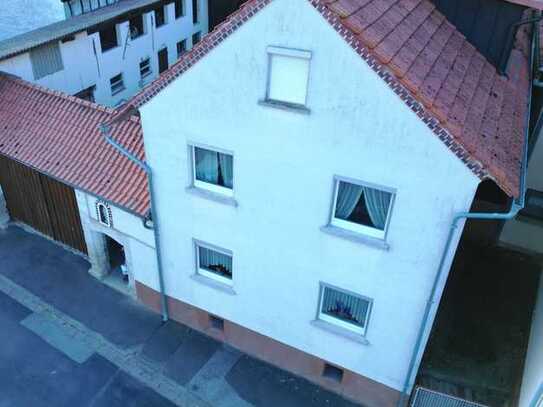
{"x":41,"y":202}
{"x":162,"y":60}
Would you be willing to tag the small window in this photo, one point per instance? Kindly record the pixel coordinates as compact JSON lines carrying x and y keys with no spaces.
{"x":108,"y":38}
{"x":196,"y":38}
{"x":145,"y":68}
{"x":346,"y":310}
{"x":181,"y":48}
{"x":213,"y":171}
{"x":136,"y":27}
{"x":214,"y":263}
{"x":103,"y":213}
{"x":362,"y":209}
{"x":195,"y":11}
{"x":46,"y":60}
{"x":116,"y":84}
{"x":534,"y":204}
{"x":179,"y":8}
{"x":288,"y":76}
{"x":160,"y":16}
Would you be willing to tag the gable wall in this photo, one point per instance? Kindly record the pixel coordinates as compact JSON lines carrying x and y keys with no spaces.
{"x":284,"y":164}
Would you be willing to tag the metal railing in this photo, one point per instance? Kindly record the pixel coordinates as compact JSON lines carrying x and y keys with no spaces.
{"x":429,"y":398}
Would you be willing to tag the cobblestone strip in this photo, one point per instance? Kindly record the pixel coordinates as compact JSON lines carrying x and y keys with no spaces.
{"x":128,"y":360}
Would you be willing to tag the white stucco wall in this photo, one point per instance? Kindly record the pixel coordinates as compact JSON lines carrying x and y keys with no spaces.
{"x":83,"y":67}
{"x":127,"y":229}
{"x":284,"y":164}
{"x":532,"y":380}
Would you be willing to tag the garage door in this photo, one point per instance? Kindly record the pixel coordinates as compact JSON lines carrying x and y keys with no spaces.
{"x":42,"y":203}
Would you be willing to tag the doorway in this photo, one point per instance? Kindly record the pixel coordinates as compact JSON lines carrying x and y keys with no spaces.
{"x":162,"y":60}
{"x":117,"y":262}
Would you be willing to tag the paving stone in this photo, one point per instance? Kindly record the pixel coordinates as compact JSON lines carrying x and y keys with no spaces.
{"x":165,"y":341}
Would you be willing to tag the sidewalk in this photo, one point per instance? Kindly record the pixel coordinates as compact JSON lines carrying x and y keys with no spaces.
{"x":82,"y":317}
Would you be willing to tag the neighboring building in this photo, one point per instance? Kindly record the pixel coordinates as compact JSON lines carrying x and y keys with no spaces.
{"x":107,"y":54}
{"x":315,"y":181}
{"x":61,"y":178}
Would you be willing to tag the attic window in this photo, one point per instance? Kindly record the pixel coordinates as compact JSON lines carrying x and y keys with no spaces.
{"x":103,"y":213}
{"x":288,"y":76}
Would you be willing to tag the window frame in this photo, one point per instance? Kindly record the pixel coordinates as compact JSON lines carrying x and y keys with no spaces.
{"x":218,"y":189}
{"x":164,"y":15}
{"x":118,"y":89}
{"x":143,"y":32}
{"x":353,"y":227}
{"x":107,"y":208}
{"x":184,"y":45}
{"x":196,"y":12}
{"x":344,"y":325}
{"x":149,"y":71}
{"x":289,"y":53}
{"x":182,"y":6}
{"x":196,"y":38}
{"x":210,"y":274}
{"x":116,"y":31}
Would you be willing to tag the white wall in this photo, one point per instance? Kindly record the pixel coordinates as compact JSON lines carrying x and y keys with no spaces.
{"x":284,"y":168}
{"x":127,"y":229}
{"x":532,"y":379}
{"x":83,"y":67}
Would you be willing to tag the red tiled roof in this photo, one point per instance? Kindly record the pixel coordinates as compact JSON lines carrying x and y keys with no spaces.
{"x":478,"y":113}
{"x":59,"y":135}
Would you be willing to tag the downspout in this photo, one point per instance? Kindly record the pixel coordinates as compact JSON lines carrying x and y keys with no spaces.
{"x":105,"y":129}
{"x":516,"y":206}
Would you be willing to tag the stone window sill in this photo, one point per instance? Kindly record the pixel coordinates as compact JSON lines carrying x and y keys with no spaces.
{"x":225,"y":288}
{"x":290,"y":107}
{"x":336,"y":330}
{"x":355,"y":237}
{"x":212,"y":196}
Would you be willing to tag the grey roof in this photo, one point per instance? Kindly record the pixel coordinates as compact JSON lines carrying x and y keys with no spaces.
{"x":24,"y":42}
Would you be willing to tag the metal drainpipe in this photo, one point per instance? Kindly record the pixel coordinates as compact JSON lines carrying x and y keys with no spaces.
{"x":163,"y":301}
{"x":516,"y":206}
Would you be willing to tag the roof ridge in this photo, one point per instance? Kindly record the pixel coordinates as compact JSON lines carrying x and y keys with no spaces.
{"x":56,"y":93}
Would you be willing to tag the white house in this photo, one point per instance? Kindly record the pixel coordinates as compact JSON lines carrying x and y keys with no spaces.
{"x":305,"y":194}
{"x":109,"y":53}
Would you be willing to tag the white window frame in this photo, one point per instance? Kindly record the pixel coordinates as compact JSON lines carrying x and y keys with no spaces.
{"x":109,"y":222}
{"x":362,"y":331}
{"x":149,"y":68}
{"x":290,"y":53}
{"x":209,"y":274}
{"x":218,"y":189}
{"x":355,"y":227}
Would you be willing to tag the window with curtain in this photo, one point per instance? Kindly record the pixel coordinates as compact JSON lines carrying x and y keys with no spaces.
{"x":214,"y":264}
{"x":345,"y":310}
{"x":361,"y":208}
{"x":213,"y":170}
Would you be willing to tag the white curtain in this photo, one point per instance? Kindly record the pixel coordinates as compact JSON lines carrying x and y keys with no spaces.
{"x":347,"y":198}
{"x":209,"y":258}
{"x":377,"y":204}
{"x":207,"y":166}
{"x":227,"y":169}
{"x":341,"y":305}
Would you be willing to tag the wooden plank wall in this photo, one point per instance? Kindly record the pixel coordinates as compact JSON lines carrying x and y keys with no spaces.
{"x":42,"y":203}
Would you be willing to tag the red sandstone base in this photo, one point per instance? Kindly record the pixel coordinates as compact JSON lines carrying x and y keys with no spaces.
{"x":353,"y":386}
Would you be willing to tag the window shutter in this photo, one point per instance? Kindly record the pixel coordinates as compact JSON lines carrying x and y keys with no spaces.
{"x":46,"y":60}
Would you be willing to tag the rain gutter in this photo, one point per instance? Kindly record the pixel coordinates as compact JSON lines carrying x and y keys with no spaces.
{"x":516,"y":206}
{"x":106,"y":132}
